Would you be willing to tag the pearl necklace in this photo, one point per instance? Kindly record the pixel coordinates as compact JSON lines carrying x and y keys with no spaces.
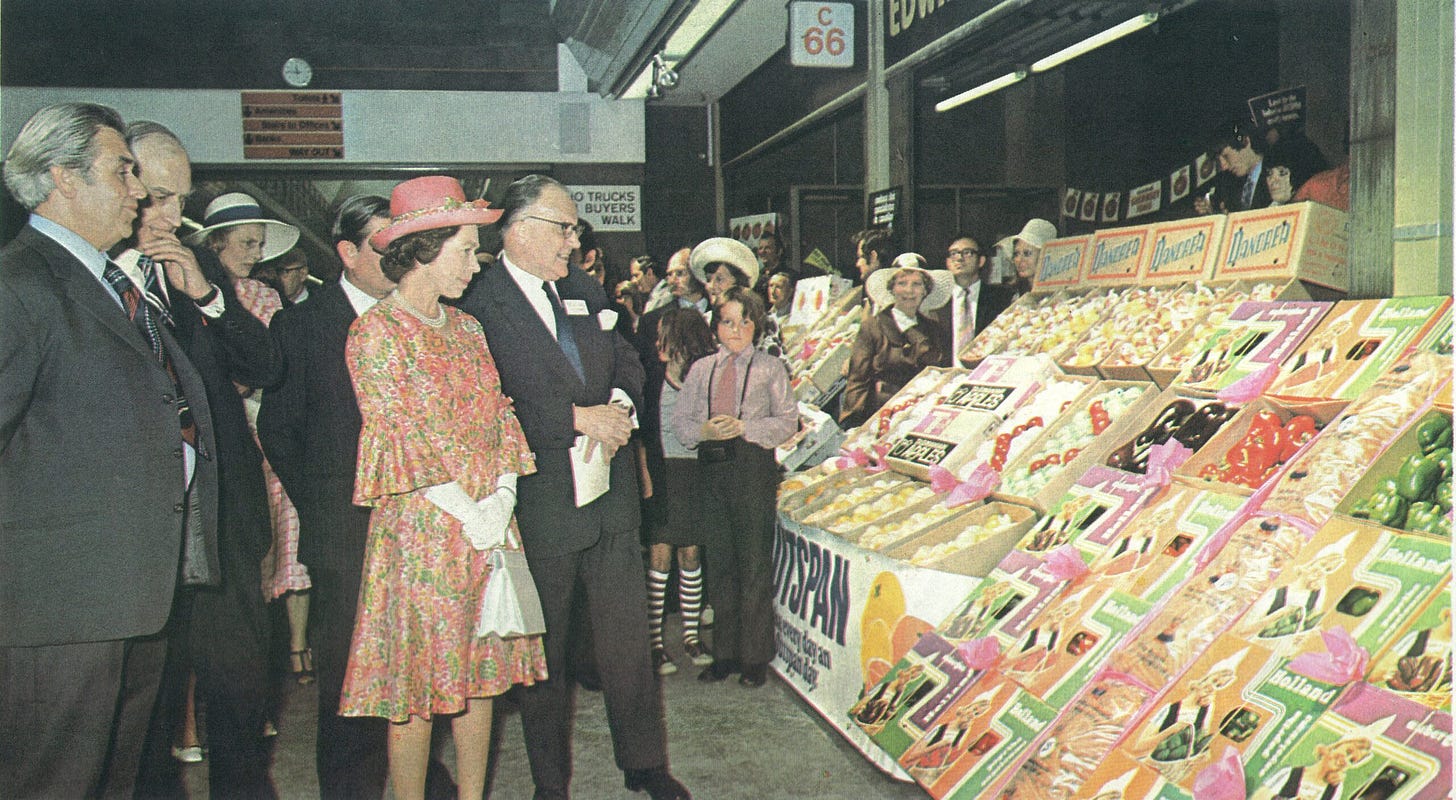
{"x":433,"y":322}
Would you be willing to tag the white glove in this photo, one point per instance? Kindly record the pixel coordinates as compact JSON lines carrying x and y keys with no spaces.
{"x":485,"y":529}
{"x":496,"y":509}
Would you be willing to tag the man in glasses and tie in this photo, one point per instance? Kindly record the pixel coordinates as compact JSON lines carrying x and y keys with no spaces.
{"x":974,"y":301}
{"x":573,"y":380}
{"x":108,"y":475}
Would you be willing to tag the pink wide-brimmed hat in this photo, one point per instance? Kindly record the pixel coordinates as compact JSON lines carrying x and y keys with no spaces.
{"x":434,"y":201}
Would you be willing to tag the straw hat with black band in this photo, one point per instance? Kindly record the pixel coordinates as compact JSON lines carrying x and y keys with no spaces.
{"x":237,"y":208}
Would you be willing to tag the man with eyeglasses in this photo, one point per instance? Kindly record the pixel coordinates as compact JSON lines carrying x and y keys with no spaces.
{"x":974,"y":302}
{"x":574,"y":382}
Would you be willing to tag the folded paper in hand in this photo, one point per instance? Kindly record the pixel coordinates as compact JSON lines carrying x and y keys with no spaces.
{"x":590,"y":478}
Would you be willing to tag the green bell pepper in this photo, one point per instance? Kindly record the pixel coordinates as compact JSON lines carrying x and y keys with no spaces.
{"x":1388,"y":509}
{"x":1418,"y":477}
{"x":1443,"y":496}
{"x":1442,"y":456}
{"x":1434,"y":432}
{"x":1422,"y":517}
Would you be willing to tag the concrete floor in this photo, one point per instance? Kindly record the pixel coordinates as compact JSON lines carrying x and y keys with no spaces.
{"x":725,"y":742}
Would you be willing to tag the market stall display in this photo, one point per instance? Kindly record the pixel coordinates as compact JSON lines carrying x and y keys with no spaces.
{"x":1196,"y":586}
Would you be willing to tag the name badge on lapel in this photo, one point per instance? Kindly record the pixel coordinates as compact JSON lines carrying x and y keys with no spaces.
{"x":575,"y":308}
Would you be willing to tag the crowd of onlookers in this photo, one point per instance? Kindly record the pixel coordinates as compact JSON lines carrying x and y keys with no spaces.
{"x":194,"y":427}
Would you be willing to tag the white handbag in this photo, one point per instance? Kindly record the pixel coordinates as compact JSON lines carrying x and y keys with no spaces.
{"x":510,"y":606}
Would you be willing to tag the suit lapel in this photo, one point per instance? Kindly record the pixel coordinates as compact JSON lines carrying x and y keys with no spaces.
{"x":86,"y":291}
{"x":527,"y":329}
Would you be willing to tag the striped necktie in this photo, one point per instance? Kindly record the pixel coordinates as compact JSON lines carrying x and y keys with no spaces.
{"x":151,"y":276}
{"x":140,"y":313}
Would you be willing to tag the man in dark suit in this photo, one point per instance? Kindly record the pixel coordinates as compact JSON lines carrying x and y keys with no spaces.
{"x":1239,"y":148}
{"x":573,"y":380}
{"x":219,"y":633}
{"x":309,"y":427}
{"x":108,"y":478}
{"x":974,"y":301}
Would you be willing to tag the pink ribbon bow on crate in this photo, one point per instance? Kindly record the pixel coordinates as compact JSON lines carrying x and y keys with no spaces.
{"x":856,"y":457}
{"x":1163,"y":459}
{"x":980,"y":654}
{"x":977,"y":486}
{"x":1250,"y":386}
{"x":1065,"y":563}
{"x":1223,"y":779}
{"x":1344,"y":660}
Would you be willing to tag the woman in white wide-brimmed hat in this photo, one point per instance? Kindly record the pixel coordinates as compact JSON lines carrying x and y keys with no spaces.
{"x":1025,"y":247}
{"x":235,"y":230}
{"x":722,"y":263}
{"x":894,"y":345}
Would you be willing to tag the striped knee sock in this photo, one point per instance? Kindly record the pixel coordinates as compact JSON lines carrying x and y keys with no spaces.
{"x":690,"y":597}
{"x":656,"y":597}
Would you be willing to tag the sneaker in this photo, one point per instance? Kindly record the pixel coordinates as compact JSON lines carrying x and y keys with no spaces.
{"x":661,"y":663}
{"x":698,"y":653}
{"x":269,"y":729}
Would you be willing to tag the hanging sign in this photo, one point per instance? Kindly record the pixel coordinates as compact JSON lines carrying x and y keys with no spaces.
{"x":883,"y":206}
{"x":609,"y":208}
{"x":293,"y":125}
{"x":1284,"y":107}
{"x":749,"y":227}
{"x":821,"y":34}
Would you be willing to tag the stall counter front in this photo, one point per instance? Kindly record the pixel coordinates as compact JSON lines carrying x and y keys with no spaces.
{"x":844,"y":616}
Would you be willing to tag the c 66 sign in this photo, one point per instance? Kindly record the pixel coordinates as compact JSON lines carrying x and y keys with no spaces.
{"x":821,"y":34}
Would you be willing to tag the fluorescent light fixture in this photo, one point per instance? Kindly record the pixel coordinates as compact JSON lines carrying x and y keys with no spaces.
{"x":1095,"y":41}
{"x":980,"y":91}
{"x":700,"y":20}
{"x":703,"y":17}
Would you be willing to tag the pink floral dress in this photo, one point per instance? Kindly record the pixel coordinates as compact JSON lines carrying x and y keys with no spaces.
{"x":281,"y":571}
{"x":433,"y":412}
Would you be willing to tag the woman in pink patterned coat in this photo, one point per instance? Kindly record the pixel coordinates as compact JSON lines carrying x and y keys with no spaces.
{"x":439,"y":454}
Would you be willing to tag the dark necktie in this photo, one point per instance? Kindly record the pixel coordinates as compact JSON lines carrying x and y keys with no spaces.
{"x":564,"y":335}
{"x":140,"y":314}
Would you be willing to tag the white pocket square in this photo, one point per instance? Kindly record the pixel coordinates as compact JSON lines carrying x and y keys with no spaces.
{"x":607,"y":318}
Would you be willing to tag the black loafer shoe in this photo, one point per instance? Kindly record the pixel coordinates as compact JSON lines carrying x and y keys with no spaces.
{"x":658,"y":783}
{"x":718,"y":670}
{"x":754,"y":675}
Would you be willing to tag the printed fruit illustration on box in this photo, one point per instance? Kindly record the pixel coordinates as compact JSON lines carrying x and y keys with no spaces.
{"x":886,"y":632}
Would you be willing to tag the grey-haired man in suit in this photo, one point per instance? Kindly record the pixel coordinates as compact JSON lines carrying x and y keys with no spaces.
{"x":108,"y":480}
{"x":570,"y":374}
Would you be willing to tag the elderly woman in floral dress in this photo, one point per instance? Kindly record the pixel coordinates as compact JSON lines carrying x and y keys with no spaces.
{"x":439,"y":454}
